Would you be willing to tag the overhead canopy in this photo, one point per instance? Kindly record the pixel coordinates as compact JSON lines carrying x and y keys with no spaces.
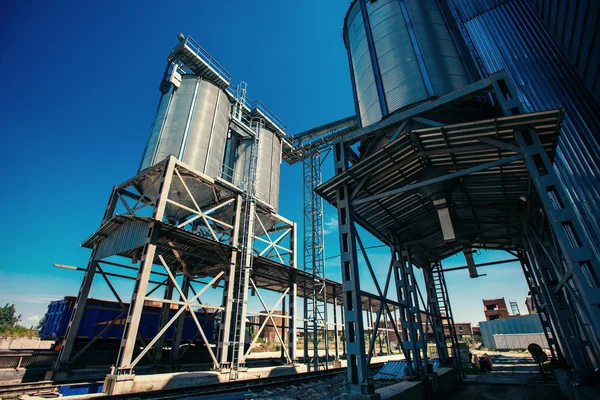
{"x":491,"y":183}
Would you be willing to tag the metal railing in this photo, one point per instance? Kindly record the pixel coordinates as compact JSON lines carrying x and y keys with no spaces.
{"x":219,"y":69}
{"x":269,"y":114}
{"x":259,"y":106}
{"x":241,"y":180}
{"x":204,"y":56}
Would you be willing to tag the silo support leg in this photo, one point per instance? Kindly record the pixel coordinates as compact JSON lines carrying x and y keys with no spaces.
{"x":581,"y":262}
{"x":64,"y":356}
{"x":358,"y":384}
{"x":292,"y":327}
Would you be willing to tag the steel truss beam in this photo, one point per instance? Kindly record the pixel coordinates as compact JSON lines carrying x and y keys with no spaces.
{"x":269,"y":316}
{"x":383,"y":306}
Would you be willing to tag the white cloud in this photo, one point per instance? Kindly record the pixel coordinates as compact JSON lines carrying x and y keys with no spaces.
{"x":35,"y":318}
{"x":330,"y":226}
{"x":40,"y":299}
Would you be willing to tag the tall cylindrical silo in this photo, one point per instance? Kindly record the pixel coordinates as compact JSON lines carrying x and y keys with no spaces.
{"x":191,"y":124}
{"x":267,"y":168}
{"x":401,"y":53}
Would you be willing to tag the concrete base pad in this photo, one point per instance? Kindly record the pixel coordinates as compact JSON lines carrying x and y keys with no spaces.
{"x":431,"y":388}
{"x":121,"y":384}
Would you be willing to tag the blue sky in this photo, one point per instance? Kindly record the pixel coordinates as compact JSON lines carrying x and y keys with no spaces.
{"x":80,"y":88}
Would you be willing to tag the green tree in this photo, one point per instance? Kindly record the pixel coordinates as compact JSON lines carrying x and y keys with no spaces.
{"x":8,"y":324}
{"x":7,"y":316}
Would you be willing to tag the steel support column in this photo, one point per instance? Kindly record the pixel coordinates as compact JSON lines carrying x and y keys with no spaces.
{"x":562,"y":313}
{"x":358,"y":384}
{"x":293,"y":297}
{"x":335,"y":324}
{"x":139,"y":293}
{"x":292,"y":329}
{"x":64,"y":356}
{"x":582,"y":267}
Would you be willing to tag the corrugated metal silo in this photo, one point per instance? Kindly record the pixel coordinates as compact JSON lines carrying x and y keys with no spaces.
{"x":191,"y":124}
{"x":267,"y":169}
{"x":401,"y":53}
{"x":507,"y":35}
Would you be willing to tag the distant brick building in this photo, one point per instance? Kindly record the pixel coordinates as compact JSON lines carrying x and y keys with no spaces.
{"x":530,"y":305}
{"x":495,"y":309}
{"x":269,"y":333}
{"x":461,"y":328}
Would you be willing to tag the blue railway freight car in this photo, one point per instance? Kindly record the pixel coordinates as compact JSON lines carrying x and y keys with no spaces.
{"x":100,"y":313}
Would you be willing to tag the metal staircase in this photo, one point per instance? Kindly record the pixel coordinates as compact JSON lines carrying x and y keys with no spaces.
{"x":443,"y":301}
{"x":245,"y":250}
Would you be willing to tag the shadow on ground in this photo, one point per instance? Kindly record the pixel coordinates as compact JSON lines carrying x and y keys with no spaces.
{"x":512,"y":378}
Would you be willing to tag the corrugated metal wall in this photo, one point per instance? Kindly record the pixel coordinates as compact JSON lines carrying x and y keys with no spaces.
{"x":513,"y":325}
{"x":508,"y":35}
{"x":574,"y":26}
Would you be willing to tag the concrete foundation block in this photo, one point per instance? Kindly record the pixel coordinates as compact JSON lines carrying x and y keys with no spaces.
{"x":407,"y":390}
{"x":118,"y":384}
{"x":433,"y":387}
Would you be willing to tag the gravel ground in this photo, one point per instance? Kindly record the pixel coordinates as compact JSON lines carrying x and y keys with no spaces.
{"x":514,"y":377}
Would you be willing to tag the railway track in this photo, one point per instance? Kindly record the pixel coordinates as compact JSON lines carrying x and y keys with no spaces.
{"x":14,"y":391}
{"x":50,"y":389}
{"x":238,"y":386}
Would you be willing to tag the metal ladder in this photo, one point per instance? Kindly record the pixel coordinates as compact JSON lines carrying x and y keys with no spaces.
{"x":441,"y":293}
{"x":314,"y":264}
{"x":245,"y":249}
{"x":540,"y":305}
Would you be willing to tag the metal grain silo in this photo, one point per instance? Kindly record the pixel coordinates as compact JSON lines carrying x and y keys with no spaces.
{"x":267,"y":168}
{"x":191,"y":124}
{"x":401,"y":52}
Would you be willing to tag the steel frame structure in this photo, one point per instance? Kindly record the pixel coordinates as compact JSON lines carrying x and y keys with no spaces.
{"x":514,"y":154}
{"x":200,"y":241}
{"x":176,"y":243}
{"x":312,"y":148}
